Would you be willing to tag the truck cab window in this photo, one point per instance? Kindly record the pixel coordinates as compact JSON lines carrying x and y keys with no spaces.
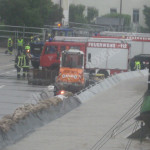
{"x":75,"y":47}
{"x":72,"y":61}
{"x":62,"y":48}
{"x":51,"y":49}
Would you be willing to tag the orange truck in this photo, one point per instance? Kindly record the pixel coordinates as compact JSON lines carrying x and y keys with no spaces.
{"x":71,"y":75}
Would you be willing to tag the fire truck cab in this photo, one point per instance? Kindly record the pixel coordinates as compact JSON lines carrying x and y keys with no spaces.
{"x":50,"y":56}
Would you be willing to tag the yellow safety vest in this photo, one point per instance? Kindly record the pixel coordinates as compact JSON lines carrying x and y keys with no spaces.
{"x":19,"y":64}
{"x":20,"y":42}
{"x":24,"y":63}
{"x":10,"y":42}
{"x":137,"y":65}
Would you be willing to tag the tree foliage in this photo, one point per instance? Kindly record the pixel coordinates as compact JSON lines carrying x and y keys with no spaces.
{"x":146,"y":12}
{"x":127,"y":18}
{"x":29,"y":12}
{"x":92,"y":13}
{"x":76,"y":14}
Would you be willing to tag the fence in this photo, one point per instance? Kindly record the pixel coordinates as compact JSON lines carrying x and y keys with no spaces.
{"x":7,"y":31}
{"x":93,"y":28}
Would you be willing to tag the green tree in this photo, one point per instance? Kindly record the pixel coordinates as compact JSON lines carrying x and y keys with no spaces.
{"x":29,"y":12}
{"x":91,"y":14}
{"x":146,"y":12}
{"x":76,"y":13}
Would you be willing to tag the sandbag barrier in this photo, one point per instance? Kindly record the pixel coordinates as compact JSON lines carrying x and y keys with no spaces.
{"x":28,"y":117}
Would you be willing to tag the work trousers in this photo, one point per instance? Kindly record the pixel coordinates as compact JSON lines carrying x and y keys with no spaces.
{"x":25,"y":71}
{"x":20,"y":49}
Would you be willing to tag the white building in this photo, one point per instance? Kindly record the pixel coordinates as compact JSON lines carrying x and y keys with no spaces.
{"x":132,"y":7}
{"x":65,"y":5}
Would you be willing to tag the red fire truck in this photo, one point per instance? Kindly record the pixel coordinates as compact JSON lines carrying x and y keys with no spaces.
{"x":140,"y":44}
{"x":101,"y":55}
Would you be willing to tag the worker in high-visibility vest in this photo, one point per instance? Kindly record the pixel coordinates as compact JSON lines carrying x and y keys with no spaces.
{"x":31,"y":39}
{"x":20,"y":44}
{"x":137,"y":65}
{"x":50,"y":39}
{"x":27,"y":48}
{"x":22,"y":62}
{"x":25,"y":63}
{"x":9,"y":46}
{"x":18,"y":64}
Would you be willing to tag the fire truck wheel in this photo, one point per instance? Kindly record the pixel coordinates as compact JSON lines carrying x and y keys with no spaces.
{"x":103,"y":72}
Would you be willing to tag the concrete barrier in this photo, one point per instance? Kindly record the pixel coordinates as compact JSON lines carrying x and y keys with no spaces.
{"x":108,"y":83}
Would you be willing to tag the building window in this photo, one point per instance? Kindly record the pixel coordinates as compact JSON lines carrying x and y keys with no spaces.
{"x":136,"y":16}
{"x":113,"y":10}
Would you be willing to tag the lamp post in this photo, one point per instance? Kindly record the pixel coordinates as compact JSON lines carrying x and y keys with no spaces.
{"x":120,"y":14}
{"x":60,"y":3}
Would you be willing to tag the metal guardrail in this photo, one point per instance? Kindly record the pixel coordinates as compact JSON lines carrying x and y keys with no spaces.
{"x":15,"y":32}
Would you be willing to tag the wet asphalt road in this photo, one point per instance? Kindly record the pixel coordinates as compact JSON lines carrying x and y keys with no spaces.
{"x":14,"y":92}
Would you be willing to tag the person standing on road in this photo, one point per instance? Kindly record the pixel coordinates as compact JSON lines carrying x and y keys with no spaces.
{"x":20,"y":44}
{"x":31,"y":39}
{"x":22,"y":62}
{"x":137,"y":65}
{"x":9,"y":46}
{"x":27,"y":48}
{"x":25,"y":63}
{"x":18,"y":64}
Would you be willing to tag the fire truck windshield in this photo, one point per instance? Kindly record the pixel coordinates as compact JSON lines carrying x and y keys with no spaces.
{"x":72,"y":60}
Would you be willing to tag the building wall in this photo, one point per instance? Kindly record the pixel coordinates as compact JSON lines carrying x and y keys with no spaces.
{"x":127,"y":6}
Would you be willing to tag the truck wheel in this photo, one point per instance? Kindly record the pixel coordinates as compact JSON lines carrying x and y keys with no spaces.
{"x":103,"y":72}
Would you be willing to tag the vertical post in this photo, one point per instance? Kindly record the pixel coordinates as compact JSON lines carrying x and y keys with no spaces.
{"x":120,"y":15}
{"x":60,"y":9}
{"x":15,"y":43}
{"x":23,"y":31}
{"x":149,"y":77}
{"x":60,"y":3}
